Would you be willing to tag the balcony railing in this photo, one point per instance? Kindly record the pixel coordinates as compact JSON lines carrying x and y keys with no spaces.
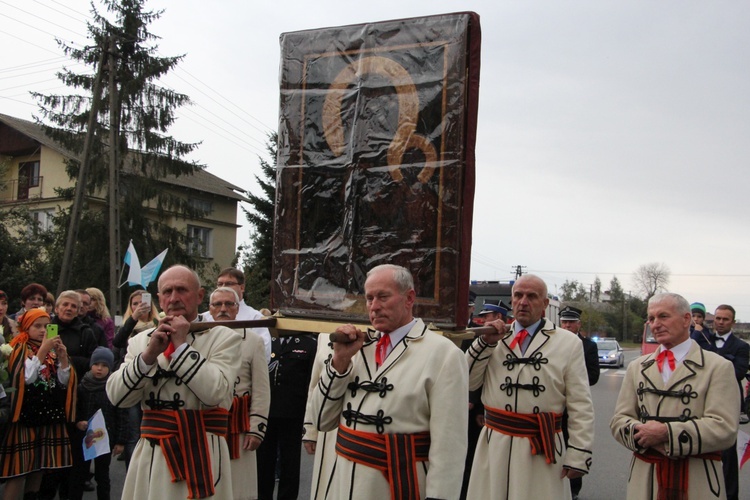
{"x":15,"y":190}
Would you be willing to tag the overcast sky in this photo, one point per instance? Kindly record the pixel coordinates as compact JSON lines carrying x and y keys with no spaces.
{"x":610,"y":134}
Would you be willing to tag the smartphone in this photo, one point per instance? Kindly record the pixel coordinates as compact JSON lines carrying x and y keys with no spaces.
{"x":146,"y":298}
{"x":52,"y":330}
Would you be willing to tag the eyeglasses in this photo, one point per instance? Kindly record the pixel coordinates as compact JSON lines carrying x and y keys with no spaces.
{"x":227,"y":304}
{"x":226,"y":283}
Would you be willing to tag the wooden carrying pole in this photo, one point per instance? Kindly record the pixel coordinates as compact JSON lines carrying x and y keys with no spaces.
{"x":290,"y":327}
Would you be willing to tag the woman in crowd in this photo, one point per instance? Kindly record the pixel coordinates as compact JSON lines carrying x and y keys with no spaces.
{"x":43,"y":401}
{"x":77,"y":336}
{"x":8,"y":325}
{"x":32,"y":296}
{"x":100,"y":312}
{"x":138,"y":317}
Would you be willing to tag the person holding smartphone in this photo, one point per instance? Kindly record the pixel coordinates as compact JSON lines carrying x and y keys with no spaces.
{"x":43,"y":401}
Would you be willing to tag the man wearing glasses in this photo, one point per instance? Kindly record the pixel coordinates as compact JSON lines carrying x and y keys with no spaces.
{"x":249,"y":413}
{"x":234,"y":279}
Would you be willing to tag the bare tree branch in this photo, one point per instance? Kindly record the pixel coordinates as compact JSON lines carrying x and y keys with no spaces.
{"x":650,"y":279}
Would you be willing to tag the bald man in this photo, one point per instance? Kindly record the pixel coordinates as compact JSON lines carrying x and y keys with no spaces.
{"x":184,"y":383}
{"x":530,"y":372}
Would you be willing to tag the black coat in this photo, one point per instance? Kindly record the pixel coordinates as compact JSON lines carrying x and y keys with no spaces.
{"x":92,"y":400}
{"x":80,"y":341}
{"x":289,"y":375}
{"x":737,"y":351}
{"x":591,"y":356}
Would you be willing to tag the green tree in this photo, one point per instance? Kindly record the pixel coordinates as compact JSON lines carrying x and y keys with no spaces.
{"x":573,"y":291}
{"x":143,"y":112}
{"x":616,"y":293}
{"x":26,"y":249}
{"x":596,"y":290}
{"x":258,"y":256}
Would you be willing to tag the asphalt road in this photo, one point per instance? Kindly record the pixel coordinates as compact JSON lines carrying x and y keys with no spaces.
{"x":608,"y":478}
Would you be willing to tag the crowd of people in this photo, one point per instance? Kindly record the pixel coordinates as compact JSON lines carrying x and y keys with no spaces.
{"x":197,"y":409}
{"x":63,"y":374}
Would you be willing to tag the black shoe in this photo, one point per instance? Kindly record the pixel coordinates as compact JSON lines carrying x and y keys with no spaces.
{"x":89,"y":486}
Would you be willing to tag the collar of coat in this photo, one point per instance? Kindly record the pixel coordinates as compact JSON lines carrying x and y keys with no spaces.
{"x":694,"y":361}
{"x":416,"y":334}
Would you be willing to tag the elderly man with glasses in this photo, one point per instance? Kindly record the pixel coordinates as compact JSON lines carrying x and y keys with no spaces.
{"x":248,"y":416}
{"x":234,"y":279}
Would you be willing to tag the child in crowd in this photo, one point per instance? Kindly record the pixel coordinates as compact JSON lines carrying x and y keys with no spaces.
{"x":43,"y":400}
{"x":91,"y":398}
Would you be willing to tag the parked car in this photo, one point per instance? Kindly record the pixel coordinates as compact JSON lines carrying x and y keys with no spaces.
{"x":610,"y":352}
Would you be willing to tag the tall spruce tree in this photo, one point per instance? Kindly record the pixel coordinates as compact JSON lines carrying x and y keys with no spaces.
{"x":145,"y":152}
{"x":258,"y":256}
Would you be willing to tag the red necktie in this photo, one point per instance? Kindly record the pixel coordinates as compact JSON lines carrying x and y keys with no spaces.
{"x":660,"y":359}
{"x":381,"y":350}
{"x":169,"y":351}
{"x":519,"y":338}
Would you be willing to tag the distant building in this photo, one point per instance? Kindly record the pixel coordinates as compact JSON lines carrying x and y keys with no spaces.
{"x":35,"y":166}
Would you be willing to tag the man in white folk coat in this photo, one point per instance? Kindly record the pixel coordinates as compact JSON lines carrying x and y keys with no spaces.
{"x":248,"y":416}
{"x":667,"y":416}
{"x":183,"y":381}
{"x":398,"y":397}
{"x":530,"y":374}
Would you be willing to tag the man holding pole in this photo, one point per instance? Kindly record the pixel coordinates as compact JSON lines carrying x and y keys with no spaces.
{"x":184,"y":381}
{"x":398,"y":397}
{"x":531,"y":373}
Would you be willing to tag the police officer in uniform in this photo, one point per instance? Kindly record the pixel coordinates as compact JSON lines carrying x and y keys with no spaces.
{"x":289,"y":371}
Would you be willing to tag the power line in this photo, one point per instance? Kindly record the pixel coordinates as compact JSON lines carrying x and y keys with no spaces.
{"x":45,"y":62}
{"x":681,"y":275}
{"x":38,"y":17}
{"x":85,"y":17}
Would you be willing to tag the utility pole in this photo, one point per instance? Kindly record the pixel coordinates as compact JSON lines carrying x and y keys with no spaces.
{"x":114,"y":183}
{"x":77,"y":207}
{"x":591,"y":306}
{"x":519,"y":271}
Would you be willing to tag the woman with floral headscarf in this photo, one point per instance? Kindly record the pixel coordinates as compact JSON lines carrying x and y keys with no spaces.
{"x":42,"y":402}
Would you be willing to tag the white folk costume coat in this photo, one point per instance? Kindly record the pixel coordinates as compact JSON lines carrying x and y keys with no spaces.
{"x":200,"y":378}
{"x":552,"y":378}
{"x":422,"y":386}
{"x":252,"y":380}
{"x":699,"y":420}
{"x":325,"y":442}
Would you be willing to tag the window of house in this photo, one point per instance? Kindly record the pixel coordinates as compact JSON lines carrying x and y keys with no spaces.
{"x":43,"y":219}
{"x":205,"y":206}
{"x":199,"y":241}
{"x":28,"y":177}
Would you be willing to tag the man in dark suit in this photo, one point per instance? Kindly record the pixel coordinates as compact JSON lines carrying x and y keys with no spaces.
{"x":570,"y":319}
{"x":736,"y":350}
{"x":292,"y":359}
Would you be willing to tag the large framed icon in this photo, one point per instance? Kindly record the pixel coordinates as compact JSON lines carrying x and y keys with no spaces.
{"x":375,"y":164}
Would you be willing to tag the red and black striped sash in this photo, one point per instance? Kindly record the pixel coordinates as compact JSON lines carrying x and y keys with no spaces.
{"x":182,"y":438}
{"x":672,"y":474}
{"x":239,"y":424}
{"x":395,"y":455}
{"x":539,"y":428}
